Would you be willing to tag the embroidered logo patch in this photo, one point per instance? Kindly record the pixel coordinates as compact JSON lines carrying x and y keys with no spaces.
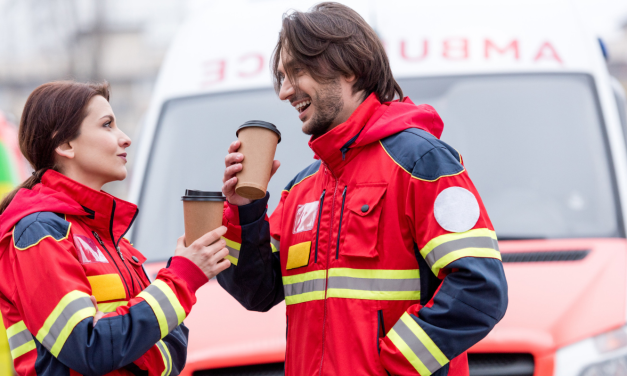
{"x":456,"y":209}
{"x":305,"y":217}
{"x":88,"y":252}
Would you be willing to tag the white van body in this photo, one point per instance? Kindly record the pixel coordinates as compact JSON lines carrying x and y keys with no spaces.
{"x":222,"y":55}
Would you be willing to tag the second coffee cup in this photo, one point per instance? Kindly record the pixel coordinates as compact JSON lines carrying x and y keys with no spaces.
{"x":202,"y":212}
{"x":259,"y":140}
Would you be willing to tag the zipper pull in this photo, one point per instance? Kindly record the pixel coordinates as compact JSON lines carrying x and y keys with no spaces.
{"x":98,"y":238}
{"x":117,"y":248}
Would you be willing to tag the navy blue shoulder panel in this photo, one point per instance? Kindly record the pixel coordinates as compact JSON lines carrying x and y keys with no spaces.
{"x":307,"y":172}
{"x":31,"y":229}
{"x":422,"y":154}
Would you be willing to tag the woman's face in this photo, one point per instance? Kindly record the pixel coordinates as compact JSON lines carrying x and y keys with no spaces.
{"x":98,"y":155}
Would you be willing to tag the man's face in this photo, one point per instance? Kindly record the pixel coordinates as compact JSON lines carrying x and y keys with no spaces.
{"x":318,"y":103}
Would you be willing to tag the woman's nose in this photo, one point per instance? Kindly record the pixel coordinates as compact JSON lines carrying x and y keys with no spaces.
{"x":125,"y":141}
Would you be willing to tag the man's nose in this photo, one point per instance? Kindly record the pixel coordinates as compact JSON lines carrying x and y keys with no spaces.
{"x":287,"y":90}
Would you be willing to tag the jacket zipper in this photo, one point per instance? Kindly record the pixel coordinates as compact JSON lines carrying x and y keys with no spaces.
{"x":324,"y":319}
{"x":116,"y":244}
{"x":318,"y":230}
{"x":339,"y":230}
{"x":114,"y":262}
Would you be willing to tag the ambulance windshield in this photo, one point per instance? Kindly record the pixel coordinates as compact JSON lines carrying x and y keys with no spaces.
{"x":534,"y":145}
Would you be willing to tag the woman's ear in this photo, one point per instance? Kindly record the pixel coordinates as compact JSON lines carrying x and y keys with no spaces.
{"x":65,"y":150}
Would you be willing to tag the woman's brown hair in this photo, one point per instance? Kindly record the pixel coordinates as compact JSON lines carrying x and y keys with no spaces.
{"x":52,"y":116}
{"x":332,"y":40}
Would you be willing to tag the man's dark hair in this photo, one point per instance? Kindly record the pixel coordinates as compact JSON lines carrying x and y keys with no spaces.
{"x":332,"y":40}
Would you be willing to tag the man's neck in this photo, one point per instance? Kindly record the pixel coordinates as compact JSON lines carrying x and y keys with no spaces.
{"x":349,"y":107}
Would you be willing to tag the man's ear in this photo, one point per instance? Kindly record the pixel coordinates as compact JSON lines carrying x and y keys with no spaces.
{"x":350,"y":79}
{"x":65,"y":150}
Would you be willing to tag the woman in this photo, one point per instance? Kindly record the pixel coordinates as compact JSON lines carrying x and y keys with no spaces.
{"x":62,"y":251}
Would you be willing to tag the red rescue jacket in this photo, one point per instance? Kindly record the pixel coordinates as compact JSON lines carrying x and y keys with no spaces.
{"x":62,"y":242}
{"x":382,"y":250}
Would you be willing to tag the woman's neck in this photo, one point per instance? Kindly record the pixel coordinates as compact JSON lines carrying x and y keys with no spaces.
{"x":84,"y":178}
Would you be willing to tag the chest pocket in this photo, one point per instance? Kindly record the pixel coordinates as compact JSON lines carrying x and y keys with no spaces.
{"x":362,"y":223}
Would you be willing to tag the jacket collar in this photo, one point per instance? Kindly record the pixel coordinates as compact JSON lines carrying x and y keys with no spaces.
{"x":111,"y":216}
{"x":332,"y":147}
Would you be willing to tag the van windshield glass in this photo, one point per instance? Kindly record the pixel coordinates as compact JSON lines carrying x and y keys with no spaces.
{"x":533,"y":145}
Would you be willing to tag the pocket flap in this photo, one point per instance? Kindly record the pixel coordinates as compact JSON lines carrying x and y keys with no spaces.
{"x":365,"y":197}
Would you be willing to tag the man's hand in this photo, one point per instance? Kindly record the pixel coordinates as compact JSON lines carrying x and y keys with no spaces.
{"x":233,"y":163}
{"x":208,"y":252}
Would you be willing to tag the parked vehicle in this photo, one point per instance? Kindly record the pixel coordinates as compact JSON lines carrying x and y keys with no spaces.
{"x":526,"y":98}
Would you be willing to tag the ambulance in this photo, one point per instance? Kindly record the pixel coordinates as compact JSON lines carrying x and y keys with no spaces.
{"x":526,"y":98}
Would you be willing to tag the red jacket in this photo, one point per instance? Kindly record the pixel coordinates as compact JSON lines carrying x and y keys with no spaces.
{"x":382,"y":250}
{"x":62,"y":242}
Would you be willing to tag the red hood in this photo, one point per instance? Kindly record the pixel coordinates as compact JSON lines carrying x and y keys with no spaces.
{"x":371,"y":122}
{"x":59,"y":194}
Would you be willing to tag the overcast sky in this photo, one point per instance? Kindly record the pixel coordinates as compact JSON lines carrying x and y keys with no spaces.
{"x":605,"y":16}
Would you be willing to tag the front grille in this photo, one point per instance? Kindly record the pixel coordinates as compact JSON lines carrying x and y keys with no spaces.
{"x":479,"y":364}
{"x":270,"y":369}
{"x":501,"y":364}
{"x":544,"y":256}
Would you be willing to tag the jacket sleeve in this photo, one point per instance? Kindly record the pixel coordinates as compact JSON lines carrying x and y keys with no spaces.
{"x":52,"y":296}
{"x":457,"y":250}
{"x":167,"y":357}
{"x":254,"y":277}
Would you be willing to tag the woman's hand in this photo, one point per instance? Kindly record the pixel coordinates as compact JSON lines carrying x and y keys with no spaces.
{"x":208,"y":252}
{"x":99,"y":314}
{"x":233,"y":163}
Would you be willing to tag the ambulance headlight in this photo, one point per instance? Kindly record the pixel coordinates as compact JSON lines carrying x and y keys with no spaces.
{"x":603,"y":355}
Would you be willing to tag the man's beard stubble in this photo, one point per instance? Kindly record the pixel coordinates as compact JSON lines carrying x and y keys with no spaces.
{"x":329,"y":103}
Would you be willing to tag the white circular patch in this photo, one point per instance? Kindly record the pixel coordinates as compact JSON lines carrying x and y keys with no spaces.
{"x":456,"y":209}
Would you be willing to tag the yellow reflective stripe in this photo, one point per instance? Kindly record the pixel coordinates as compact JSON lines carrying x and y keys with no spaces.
{"x":156,"y":308}
{"x":16,"y":328}
{"x":111,"y":307}
{"x":304,"y":277}
{"x":304,"y":297}
{"x":373,"y":295}
{"x":425,"y":339}
{"x":166,"y":357}
{"x":74,"y":307}
{"x":29,"y":346}
{"x":234,"y":249}
{"x":20,"y":340}
{"x":165,"y":305}
{"x":374,"y":273}
{"x":455,"y":236}
{"x":468,"y":252}
{"x":232,"y":244}
{"x":407,"y":353}
{"x":273,"y":248}
{"x":40,"y":240}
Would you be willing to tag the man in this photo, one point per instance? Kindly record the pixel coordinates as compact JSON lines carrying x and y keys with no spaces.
{"x":382,"y":249}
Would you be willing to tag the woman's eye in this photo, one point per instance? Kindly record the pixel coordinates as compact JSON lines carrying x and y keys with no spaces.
{"x":107,"y":124}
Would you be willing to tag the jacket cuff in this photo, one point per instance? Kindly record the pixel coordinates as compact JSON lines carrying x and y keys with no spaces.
{"x":189,"y":272}
{"x":252,"y":212}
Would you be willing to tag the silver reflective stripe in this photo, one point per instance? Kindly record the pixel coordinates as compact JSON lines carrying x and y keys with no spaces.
{"x":168,"y":365}
{"x":233,"y":252}
{"x":166,"y":306}
{"x":20,"y":339}
{"x":455,"y":245}
{"x":416,"y":346}
{"x":63,"y":319}
{"x":276,"y":244}
{"x":374,"y":284}
{"x":303,"y":287}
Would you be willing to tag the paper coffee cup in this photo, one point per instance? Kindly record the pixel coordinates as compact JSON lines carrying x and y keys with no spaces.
{"x":259,"y":140}
{"x":202,"y":212}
